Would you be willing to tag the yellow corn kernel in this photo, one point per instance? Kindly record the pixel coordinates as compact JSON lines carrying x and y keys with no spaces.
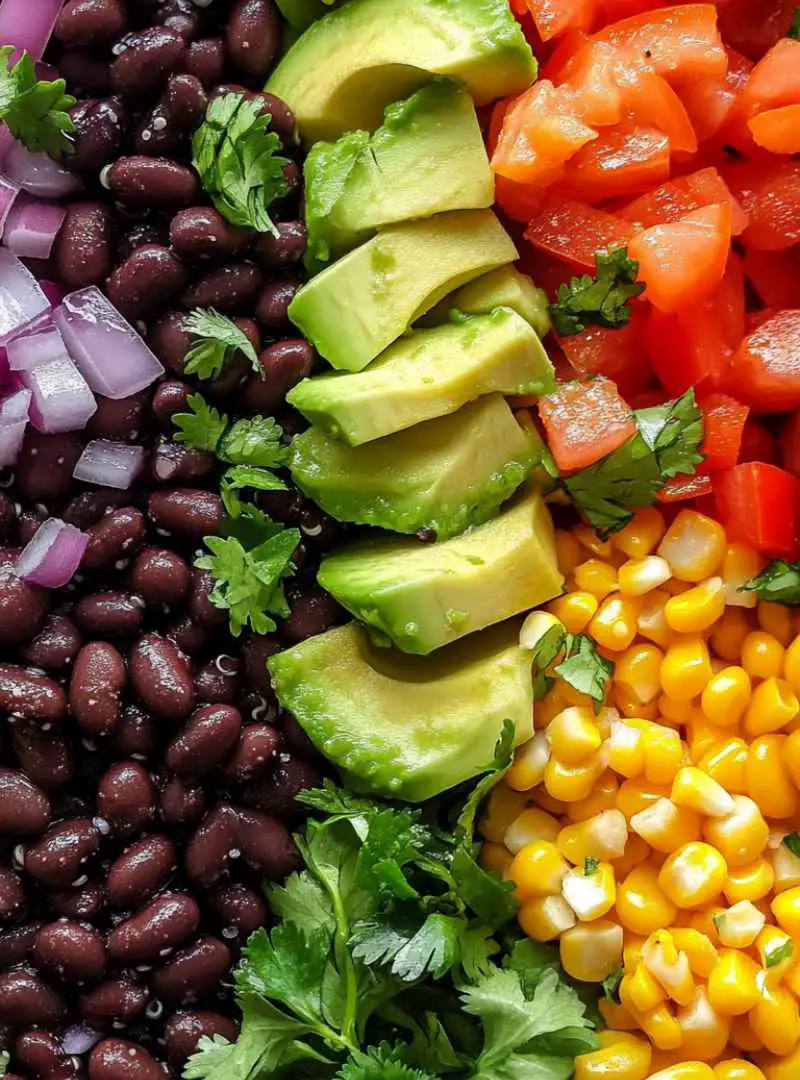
{"x":621,"y":1056}
{"x":636,"y":794}
{"x":693,"y":875}
{"x":662,"y":1028}
{"x":737,"y":1069}
{"x":614,"y":626}
{"x":743,"y":1037}
{"x":762,"y":655}
{"x":502,"y":807}
{"x":590,"y":890}
{"x":740,"y":836}
{"x":597,"y":578}
{"x":632,"y":951}
{"x":728,"y":635}
{"x":773,"y":706}
{"x":616,"y":1017}
{"x":786,"y":868}
{"x":535,"y":627}
{"x":767,"y":777}
{"x":545,"y":918}
{"x":697,"y":609}
{"x":669,"y":966}
{"x":529,"y":764}
{"x":726,"y":696}
{"x":753,"y":881}
{"x":636,"y":852}
{"x":700,"y":792}
{"x":602,"y":837}
{"x":639,"y":576}
{"x":686,"y":668}
{"x":603,"y":797}
{"x":626,"y":702}
{"x":568,"y":551}
{"x":531,"y":825}
{"x":685,"y":1070}
{"x":775,"y":1018}
{"x":700,"y":950}
{"x":641,"y":535}
{"x":791,"y":665}
{"x":537,"y":870}
{"x":694,"y":546}
{"x":652,"y":622}
{"x":573,"y":735}
{"x":625,"y":749}
{"x":546,"y":801}
{"x":775,"y":619}
{"x":591,"y":951}
{"x":733,"y":984}
{"x":726,"y":762}
{"x":741,"y":563}
{"x":641,"y":991}
{"x":642,"y":906}
{"x":791,"y":753}
{"x":663,"y":753}
{"x":705,"y":1032}
{"x":569,"y":783}
{"x":638,"y":669}
{"x":574,"y":610}
{"x":786,"y":1067}
{"x":740,"y":925}
{"x":776,"y":952}
{"x":703,"y":736}
{"x":786,"y":909}
{"x":495,"y":857}
{"x":589,"y":539}
{"x":665,"y":826}
{"x":676,"y":712}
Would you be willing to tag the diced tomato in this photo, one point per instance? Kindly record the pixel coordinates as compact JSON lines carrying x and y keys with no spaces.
{"x":769,"y":191}
{"x":553,"y":17}
{"x":591,"y":74}
{"x":753,"y":26}
{"x":680,"y":41}
{"x":520,"y":202}
{"x":650,"y":101}
{"x":563,"y":55}
{"x":709,"y":101}
{"x":760,"y":505}
{"x":754,"y":319}
{"x":622,"y":161}
{"x":723,"y":422}
{"x":496,"y":120}
{"x":758,"y":444}
{"x":683,"y":262}
{"x":618,"y":354}
{"x":540,"y":133}
{"x":680,"y":488}
{"x":774,"y":81}
{"x":585,"y":421}
{"x":544,"y":270}
{"x":777,"y":130}
{"x":790,"y":444}
{"x":678,"y":197}
{"x":574,"y":232}
{"x":609,"y":11}
{"x":765,"y":369}
{"x":775,"y":275}
{"x":694,"y":346}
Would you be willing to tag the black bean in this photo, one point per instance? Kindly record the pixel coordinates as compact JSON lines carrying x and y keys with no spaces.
{"x":266,"y":843}
{"x":201,"y":608}
{"x":161,"y":677}
{"x":120,"y":998}
{"x":181,"y":802}
{"x":218,"y":681}
{"x":45,"y":464}
{"x":12,"y":895}
{"x":119,"y":420}
{"x":146,"y":59}
{"x":135,"y":733}
{"x":81,"y":902}
{"x":313,"y":612}
{"x":233,"y":376}
{"x":189,"y":636}
{"x":171,"y":397}
{"x":180,"y":110}
{"x":25,"y":999}
{"x":109,"y":614}
{"x":163,"y":924}
{"x":254,"y":755}
{"x":173,"y":463}
{"x":204,"y":741}
{"x":31,"y":696}
{"x":70,"y":950}
{"x":203,"y":233}
{"x":46,"y":757}
{"x":253,"y":36}
{"x":85,"y":73}
{"x":181,"y":15}
{"x":239,"y":908}
{"x":119,"y":1059}
{"x":257,"y":649}
{"x":193,"y":973}
{"x":282,"y":122}
{"x":90,"y":506}
{"x":205,"y":59}
{"x":277,"y":793}
{"x":140,"y":233}
{"x":284,"y":250}
{"x":141,"y":870}
{"x":82,"y":250}
{"x":183,"y":1031}
{"x":160,"y":577}
{"x":56,"y":645}
{"x":40,"y":1051}
{"x":126,"y":797}
{"x":59,"y":857}
{"x":231,"y":288}
{"x":186,"y":511}
{"x":95,"y":690}
{"x":15,"y":943}
{"x":114,"y":537}
{"x":272,"y":308}
{"x":146,"y":281}
{"x":171,"y":341}
{"x":212,"y":847}
{"x":284,"y":364}
{"x":23,"y":607}
{"x":90,"y":22}
{"x":153,"y":182}
{"x":99,"y":130}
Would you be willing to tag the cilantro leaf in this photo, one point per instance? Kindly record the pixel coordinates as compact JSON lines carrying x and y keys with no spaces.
{"x":794,"y":29}
{"x":547,"y":648}
{"x":674,"y":433}
{"x":590,"y":866}
{"x":255,"y":442}
{"x":287,"y":966}
{"x":410,"y":950}
{"x":778,"y":953}
{"x":35,"y":110}
{"x":611,"y":983}
{"x":585,"y":670}
{"x":202,"y":427}
{"x":381,"y":1062}
{"x":792,"y":842}
{"x":601,"y":300}
{"x":246,"y":476}
{"x":779,"y":583}
{"x":219,"y":338}
{"x":236,"y":156}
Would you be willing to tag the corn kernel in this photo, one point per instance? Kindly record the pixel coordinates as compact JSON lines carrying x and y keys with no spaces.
{"x":596,"y":577}
{"x":535,"y":627}
{"x":537,"y":870}
{"x":545,"y":918}
{"x":625,"y":749}
{"x":791,"y":665}
{"x":740,"y":925}
{"x":786,"y":1067}
{"x":636,"y":794}
{"x":669,"y":966}
{"x":665,"y":826}
{"x":728,"y":635}
{"x":495,"y":857}
{"x":542,"y":799}
{"x":590,"y":890}
{"x":502,"y":807}
{"x":775,"y":619}
{"x":616,"y":1017}
{"x":663,"y":753}
{"x":676,"y":712}
{"x":733,"y":984}
{"x":767,"y":777}
{"x":786,"y":868}
{"x":740,"y":836}
{"x":573,"y":735}
{"x":775,"y":1018}
{"x":693,"y":875}
{"x":602,"y":837}
{"x":775,"y":951}
{"x":640,"y":991}
{"x":705,"y":1032}
{"x":699,"y":949}
{"x":743,"y":1037}
{"x":762,"y":655}
{"x":589,"y":539}
{"x":615,"y":624}
{"x":753,"y":881}
{"x":773,"y":706}
{"x":568,"y":551}
{"x":694,"y":546}
{"x":569,"y":783}
{"x":697,"y":609}
{"x":686,"y":668}
{"x":591,"y":951}
{"x":791,"y":752}
{"x":684,"y":1070}
{"x":626,"y":702}
{"x":641,"y":535}
{"x":726,"y":696}
{"x":704,"y":921}
{"x":741,"y":563}
{"x":621,"y":1056}
{"x":639,"y":576}
{"x":642,"y":906}
{"x":662,"y":1028}
{"x":652,"y":622}
{"x":636,"y":852}
{"x":603,"y":797}
{"x":639,"y":669}
{"x":737,"y":1069}
{"x":700,"y":792}
{"x":529,"y":764}
{"x":574,"y":610}
{"x":726,"y":762}
{"x":786,"y":909}
{"x":531,"y":825}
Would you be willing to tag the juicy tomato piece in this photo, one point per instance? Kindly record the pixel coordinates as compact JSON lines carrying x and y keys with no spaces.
{"x":618,"y":354}
{"x":774,"y":81}
{"x":520,"y":202}
{"x":694,"y":346}
{"x":709,"y":101}
{"x":591,"y":73}
{"x":562,"y":56}
{"x":585,"y":421}
{"x":684,"y":261}
{"x":609,"y":11}
{"x":680,"y":488}
{"x":678,"y":197}
{"x":623,"y":161}
{"x":760,"y":505}
{"x":758,"y":444}
{"x":777,"y":130}
{"x":775,"y":275}
{"x":544,"y":270}
{"x":681,"y":41}
{"x":765,"y":369}
{"x":790,"y":444}
{"x":649,"y":100}
{"x":540,"y":133}
{"x":723,"y":420}
{"x":769,"y":191}
{"x":574,"y":232}
{"x":554,"y":17}
{"x":754,"y":26}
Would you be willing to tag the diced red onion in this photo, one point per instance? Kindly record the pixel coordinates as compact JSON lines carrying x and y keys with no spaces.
{"x":13,"y":421}
{"x":54,"y":292}
{"x":109,"y":464}
{"x":29,"y":350}
{"x":32,"y":226}
{"x":62,"y":400}
{"x":15,"y":407}
{"x":115,"y":360}
{"x":53,"y":554}
{"x":8,"y":196}
{"x":28,"y":24}
{"x":78,"y":1038}
{"x":38,"y":174}
{"x":21,"y":299}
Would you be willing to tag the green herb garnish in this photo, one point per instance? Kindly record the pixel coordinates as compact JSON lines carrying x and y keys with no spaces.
{"x":794,"y":29}
{"x":601,"y":300}
{"x":202,"y":427}
{"x":35,"y":110}
{"x":779,"y":583}
{"x":581,"y":666}
{"x":611,"y":984}
{"x":779,"y":953}
{"x":254,"y":442}
{"x":590,"y":866}
{"x":792,"y":842}
{"x":219,"y":339}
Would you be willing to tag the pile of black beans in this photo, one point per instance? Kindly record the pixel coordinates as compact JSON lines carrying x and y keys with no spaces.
{"x":147,"y":774}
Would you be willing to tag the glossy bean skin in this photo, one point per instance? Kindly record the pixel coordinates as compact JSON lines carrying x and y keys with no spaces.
{"x":25,"y":999}
{"x":284,"y":250}
{"x":189,"y":512}
{"x":156,"y":182}
{"x":15,"y":943}
{"x":84,"y":72}
{"x":284,"y":364}
{"x":71,"y":951}
{"x":266,"y":843}
{"x":135,"y":734}
{"x":147,"y":59}
{"x":276,"y":793}
{"x":171,"y":397}
{"x":184,"y":1029}
{"x":23,"y":607}
{"x":217,"y":682}
{"x":95,"y":690}
{"x":194,"y":973}
{"x":272,"y":308}
{"x":31,"y":696}
{"x":90,"y":22}
{"x":120,"y":421}
{"x":239,"y":908}
{"x":100,"y":126}
{"x":59,"y":857}
{"x":45,"y":464}
{"x":138,"y":234}
{"x":164,"y":924}
{"x":146,"y":281}
{"x":56,"y":645}
{"x":181,"y":802}
{"x":87,"y":508}
{"x":126,"y":797}
{"x":82,"y":250}
{"x":46,"y":757}
{"x":171,"y":341}
{"x":161,"y":677}
{"x":201,"y":609}
{"x":120,"y":1059}
{"x":120,"y":998}
{"x":85,"y":901}
{"x":172,"y":463}
{"x":110,"y":614}
{"x":253,"y":36}
{"x":230,"y":289}
{"x":159,"y":576}
{"x":205,"y":59}
{"x":204,"y":741}
{"x":188,"y":635}
{"x":181,"y":109}
{"x":202,"y":233}
{"x":141,"y":870}
{"x":12,"y":895}
{"x":114,"y":537}
{"x":313,"y":611}
{"x":256,"y":651}
{"x":209,"y":851}
{"x":254,"y":754}
{"x":40,"y":1051}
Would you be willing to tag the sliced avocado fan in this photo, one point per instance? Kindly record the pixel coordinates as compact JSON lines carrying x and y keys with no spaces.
{"x":504,"y":287}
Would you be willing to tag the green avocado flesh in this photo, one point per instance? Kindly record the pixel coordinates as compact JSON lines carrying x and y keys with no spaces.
{"x":504,"y":287}
{"x":356,"y":308}
{"x":427,"y":374}
{"x":445,"y":474}
{"x":300,"y":14}
{"x":349,"y":65}
{"x":423,"y":596}
{"x":427,"y":157}
{"x":407,"y":727}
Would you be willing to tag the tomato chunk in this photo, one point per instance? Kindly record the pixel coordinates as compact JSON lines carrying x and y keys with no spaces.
{"x":775,"y":275}
{"x":709,"y":101}
{"x":790,"y":444}
{"x":650,"y":100}
{"x":675,"y":41}
{"x":618,"y":354}
{"x":777,"y":130}
{"x":680,"y":488}
{"x":774,"y":81}
{"x":573,"y":231}
{"x":760,"y":505}
{"x":753,"y":26}
{"x":683,"y":262}
{"x":769,"y":191}
{"x":678,"y":197}
{"x":723,"y":419}
{"x":553,"y":17}
{"x":585,"y":421}
{"x":765,"y":370}
{"x":758,"y":444}
{"x":621,"y":161}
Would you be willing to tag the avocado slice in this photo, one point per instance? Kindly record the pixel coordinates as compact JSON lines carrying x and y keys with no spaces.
{"x":427,"y":374}
{"x":423,"y":596}
{"x":407,"y":727}
{"x":444,"y":474}
{"x":426,"y":158}
{"x":349,"y":65}
{"x":356,"y":308}
{"x":504,"y":287}
{"x":300,"y":14}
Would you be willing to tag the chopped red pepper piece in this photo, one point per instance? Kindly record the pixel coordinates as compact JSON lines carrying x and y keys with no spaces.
{"x":760,"y":505}
{"x":765,"y":370}
{"x":723,"y":421}
{"x":574,"y":232}
{"x":585,"y":421}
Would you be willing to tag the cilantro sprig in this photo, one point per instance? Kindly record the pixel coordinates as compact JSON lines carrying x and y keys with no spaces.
{"x":779,"y":583}
{"x":219,"y":339}
{"x":601,"y":300}
{"x":237,"y":158}
{"x":580,"y":665}
{"x":35,"y":110}
{"x":794,"y":28}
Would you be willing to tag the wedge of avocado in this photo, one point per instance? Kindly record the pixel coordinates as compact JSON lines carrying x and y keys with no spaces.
{"x":427,"y":374}
{"x":423,"y":596}
{"x":444,"y":475}
{"x":504,"y":287}
{"x":349,"y":65}
{"x":407,"y":727}
{"x":427,"y":157}
{"x":356,"y":308}
{"x":300,"y":14}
